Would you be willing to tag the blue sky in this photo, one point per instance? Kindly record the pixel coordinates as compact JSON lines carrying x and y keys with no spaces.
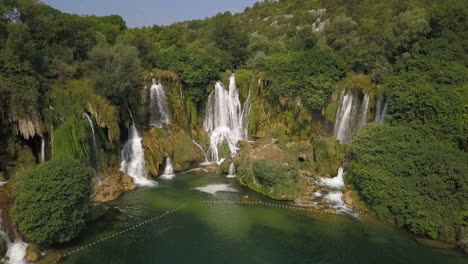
{"x":138,"y":13}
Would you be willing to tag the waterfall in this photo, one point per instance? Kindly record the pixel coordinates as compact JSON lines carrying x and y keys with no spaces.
{"x":94,"y":138}
{"x":380,"y":110}
{"x":43,"y":149}
{"x":159,"y":106}
{"x":204,"y":152}
{"x":16,"y":251}
{"x":160,"y":115}
{"x":351,"y":115}
{"x":232,"y":171}
{"x":168,"y":170}
{"x":335,"y":195}
{"x":133,"y":158}
{"x":225,"y":119}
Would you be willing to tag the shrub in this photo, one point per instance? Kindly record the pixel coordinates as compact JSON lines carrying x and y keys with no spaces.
{"x":51,"y":200}
{"x":272,"y":174}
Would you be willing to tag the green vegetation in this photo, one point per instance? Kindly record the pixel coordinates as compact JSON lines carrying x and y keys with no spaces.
{"x":417,"y":182}
{"x":294,"y":56}
{"x":52,"y":200}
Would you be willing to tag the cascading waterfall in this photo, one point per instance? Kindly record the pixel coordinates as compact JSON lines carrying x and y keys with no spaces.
{"x":232,"y":171}
{"x":16,"y":251}
{"x":94,"y":138}
{"x":225,"y":119}
{"x":380,"y":110}
{"x":335,"y":194}
{"x":159,"y":107}
{"x":351,"y":115}
{"x":133,"y":158}
{"x":168,"y":170}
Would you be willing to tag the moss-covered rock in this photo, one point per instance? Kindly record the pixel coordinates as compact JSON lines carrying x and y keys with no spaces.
{"x":170,"y":141}
{"x":112,"y":185}
{"x":185,"y":154}
{"x":157,"y":146}
{"x":32,"y":253}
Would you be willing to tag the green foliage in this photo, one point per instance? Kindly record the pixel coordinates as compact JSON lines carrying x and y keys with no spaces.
{"x":51,"y":200}
{"x":114,"y":69}
{"x":196,"y":68}
{"x":436,"y":110}
{"x":271,"y":174}
{"x":408,"y":178}
{"x":228,"y":37}
{"x":309,"y":75}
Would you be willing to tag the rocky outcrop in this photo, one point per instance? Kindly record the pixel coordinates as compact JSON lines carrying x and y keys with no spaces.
{"x":311,"y":160}
{"x":27,"y":126}
{"x":114,"y":183}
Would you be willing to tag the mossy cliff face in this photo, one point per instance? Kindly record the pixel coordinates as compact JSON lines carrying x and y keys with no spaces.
{"x":283,"y":171}
{"x":70,"y":131}
{"x":286,"y":118}
{"x":170,"y":141}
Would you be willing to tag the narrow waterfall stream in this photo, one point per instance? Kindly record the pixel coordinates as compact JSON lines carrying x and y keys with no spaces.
{"x":133,"y":158}
{"x":168,"y":170}
{"x":159,"y":106}
{"x":95,"y":150}
{"x":232,"y":171}
{"x":225,"y":119}
{"x":43,"y":142}
{"x":380,"y":110}
{"x":160,"y":114}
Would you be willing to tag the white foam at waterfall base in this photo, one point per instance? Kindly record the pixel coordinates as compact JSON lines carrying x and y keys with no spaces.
{"x":16,"y":251}
{"x":159,"y":106}
{"x":133,"y":159}
{"x":214,"y":188}
{"x":225,"y":119}
{"x":168,"y":170}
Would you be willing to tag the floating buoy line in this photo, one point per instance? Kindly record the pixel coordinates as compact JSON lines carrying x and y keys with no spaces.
{"x":170,"y":212}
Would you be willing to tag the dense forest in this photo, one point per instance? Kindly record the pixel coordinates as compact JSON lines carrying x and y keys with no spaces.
{"x":297,"y":57}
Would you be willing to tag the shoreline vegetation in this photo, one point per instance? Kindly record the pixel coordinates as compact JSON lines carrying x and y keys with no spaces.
{"x":344,"y":106}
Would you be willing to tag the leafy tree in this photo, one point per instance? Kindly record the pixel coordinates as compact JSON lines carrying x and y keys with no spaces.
{"x":410,"y":29}
{"x":410,"y":179}
{"x":227,"y":36}
{"x":195,"y":67}
{"x":51,"y":200}
{"x":310,"y":75}
{"x":114,"y":70}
